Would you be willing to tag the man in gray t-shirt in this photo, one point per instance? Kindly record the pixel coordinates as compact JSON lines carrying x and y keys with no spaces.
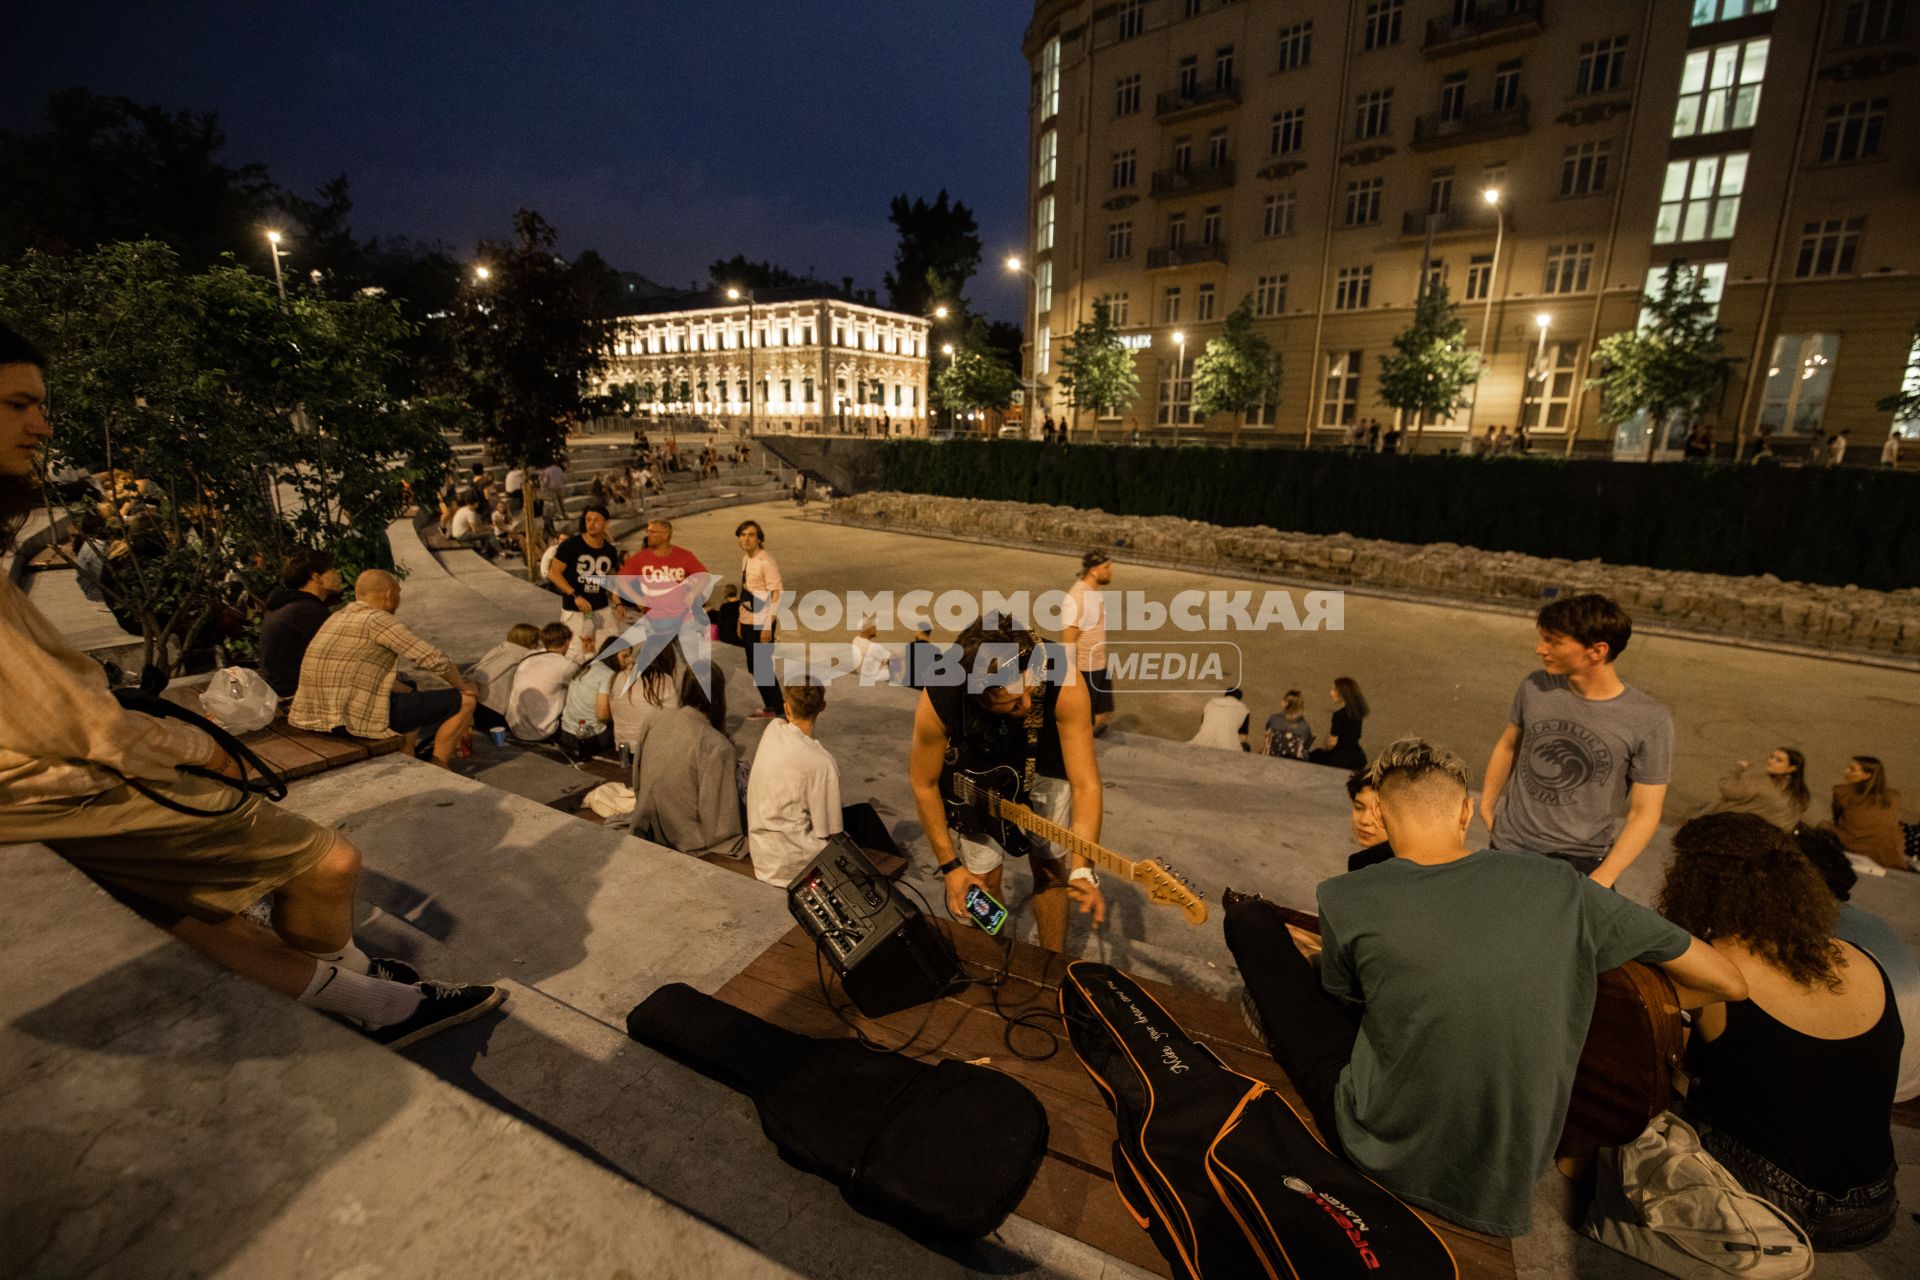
{"x":1581,"y":771}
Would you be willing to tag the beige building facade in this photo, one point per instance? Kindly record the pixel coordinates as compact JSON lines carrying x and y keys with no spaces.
{"x":1188,"y":154}
{"x":816,"y":361}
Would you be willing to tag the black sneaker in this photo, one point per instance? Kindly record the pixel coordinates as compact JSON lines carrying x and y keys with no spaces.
{"x":387,"y":969}
{"x":444,"y":1005}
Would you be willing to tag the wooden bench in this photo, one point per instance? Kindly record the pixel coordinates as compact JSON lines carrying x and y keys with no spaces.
{"x":294,"y":753}
{"x":1073,"y":1192}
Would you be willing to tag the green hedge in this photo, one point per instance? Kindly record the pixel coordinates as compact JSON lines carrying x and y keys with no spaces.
{"x":1834,"y":526}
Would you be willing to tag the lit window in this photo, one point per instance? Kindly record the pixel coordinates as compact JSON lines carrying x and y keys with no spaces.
{"x":1042,"y":351}
{"x":1720,"y":88}
{"x":1048,"y":167}
{"x":1176,"y":391}
{"x":1794,"y":399}
{"x":1852,"y":130}
{"x":1550,"y":387}
{"x":1828,"y":248}
{"x":1050,"y":79}
{"x":1340,"y":402}
{"x":1700,"y":199}
{"x":1705,"y":11}
{"x":1043,"y":286}
{"x":1713,"y":281}
{"x":1352,"y":287}
{"x":1043,"y":225}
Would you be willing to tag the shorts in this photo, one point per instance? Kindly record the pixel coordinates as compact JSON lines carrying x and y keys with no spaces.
{"x":167,"y":865}
{"x":424,"y":710}
{"x":1100,"y":690}
{"x":1051,"y":798}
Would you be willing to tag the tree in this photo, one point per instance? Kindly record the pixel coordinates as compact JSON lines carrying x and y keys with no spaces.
{"x":1904,"y":404}
{"x":1428,"y":374}
{"x":737,"y":272}
{"x":526,"y":343}
{"x":1096,"y":368}
{"x":1672,"y":367}
{"x":941,"y":238}
{"x":188,"y":383}
{"x":1238,"y":371}
{"x":977,"y":377}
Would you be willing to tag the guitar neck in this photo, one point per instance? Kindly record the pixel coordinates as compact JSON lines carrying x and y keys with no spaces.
{"x":1035,"y":825}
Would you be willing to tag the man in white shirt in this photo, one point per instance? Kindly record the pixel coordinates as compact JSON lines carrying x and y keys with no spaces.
{"x":793,"y":793}
{"x":1083,"y":628}
{"x":539,"y":692}
{"x":515,"y":486}
{"x":793,"y":797}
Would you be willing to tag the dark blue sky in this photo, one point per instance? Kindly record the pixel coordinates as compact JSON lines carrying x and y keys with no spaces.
{"x":662,"y":134}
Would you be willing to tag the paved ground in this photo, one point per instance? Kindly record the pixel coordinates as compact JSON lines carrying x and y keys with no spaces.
{"x":1444,"y":672}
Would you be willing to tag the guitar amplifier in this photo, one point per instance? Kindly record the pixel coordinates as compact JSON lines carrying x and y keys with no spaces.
{"x":882,"y":946}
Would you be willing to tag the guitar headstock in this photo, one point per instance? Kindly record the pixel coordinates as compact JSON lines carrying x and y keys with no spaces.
{"x":1166,"y":887}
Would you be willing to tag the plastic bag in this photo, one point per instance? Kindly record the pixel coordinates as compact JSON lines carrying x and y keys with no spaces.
{"x":610,"y":799}
{"x":239,"y":700}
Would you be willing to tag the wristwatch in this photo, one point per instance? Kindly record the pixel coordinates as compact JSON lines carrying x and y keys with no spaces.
{"x":950,"y":866}
{"x":1085,"y":875}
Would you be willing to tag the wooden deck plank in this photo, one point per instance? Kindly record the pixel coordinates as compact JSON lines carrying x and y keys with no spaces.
{"x":1073,"y":1193}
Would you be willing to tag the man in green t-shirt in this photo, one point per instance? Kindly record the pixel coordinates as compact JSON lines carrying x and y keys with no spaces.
{"x":1475,"y":975}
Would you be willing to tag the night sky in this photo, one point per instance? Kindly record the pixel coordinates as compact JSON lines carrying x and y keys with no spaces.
{"x":665,"y":135}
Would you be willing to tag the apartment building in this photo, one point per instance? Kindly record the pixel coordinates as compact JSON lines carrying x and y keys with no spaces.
{"x":1545,"y":159}
{"x":799,"y":358}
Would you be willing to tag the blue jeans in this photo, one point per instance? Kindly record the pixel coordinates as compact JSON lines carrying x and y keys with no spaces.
{"x":1834,"y":1224}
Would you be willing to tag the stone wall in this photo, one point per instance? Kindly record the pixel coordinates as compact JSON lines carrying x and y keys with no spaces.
{"x":1763,"y":609}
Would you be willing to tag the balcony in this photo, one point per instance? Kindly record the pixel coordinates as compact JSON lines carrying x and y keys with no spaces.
{"x":1188,"y":182}
{"x":1465,"y":219}
{"x":1204,"y":100}
{"x":1476,"y":124}
{"x":1492,"y":22}
{"x":1193,"y":254}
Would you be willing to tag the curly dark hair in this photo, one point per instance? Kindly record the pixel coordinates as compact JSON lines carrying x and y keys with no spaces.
{"x":1736,"y":875}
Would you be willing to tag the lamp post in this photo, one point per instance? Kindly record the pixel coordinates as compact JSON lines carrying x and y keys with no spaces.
{"x":1179,"y":375}
{"x":946,"y":349}
{"x":939,"y":313}
{"x":1014,"y":264}
{"x":1542,"y":321}
{"x":735,"y":294}
{"x":1495,"y":197}
{"x":279,"y":281}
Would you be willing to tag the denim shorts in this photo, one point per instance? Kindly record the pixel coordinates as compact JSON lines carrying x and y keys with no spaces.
{"x":1835,"y":1224}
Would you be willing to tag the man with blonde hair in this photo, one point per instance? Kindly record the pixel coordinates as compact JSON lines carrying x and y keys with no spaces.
{"x":1438,"y":1042}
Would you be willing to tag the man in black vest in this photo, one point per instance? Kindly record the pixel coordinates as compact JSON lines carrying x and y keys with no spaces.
{"x":1006,"y":706}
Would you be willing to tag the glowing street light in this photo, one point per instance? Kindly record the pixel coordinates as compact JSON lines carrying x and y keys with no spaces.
{"x":483,"y":274}
{"x":735,"y":294}
{"x":279,"y":282}
{"x":1496,"y":197}
{"x":940,"y":313}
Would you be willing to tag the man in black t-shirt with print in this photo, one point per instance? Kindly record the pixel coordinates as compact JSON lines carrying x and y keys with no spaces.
{"x":579,"y":571}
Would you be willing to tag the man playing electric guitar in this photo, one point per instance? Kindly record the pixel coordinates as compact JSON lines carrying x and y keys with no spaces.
{"x":1004,"y":714}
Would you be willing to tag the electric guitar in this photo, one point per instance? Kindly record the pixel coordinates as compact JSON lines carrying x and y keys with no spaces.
{"x":979,"y":800}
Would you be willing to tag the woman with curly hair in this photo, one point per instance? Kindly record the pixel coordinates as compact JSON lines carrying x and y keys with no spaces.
{"x":1791,"y":1089}
{"x":1779,"y":794}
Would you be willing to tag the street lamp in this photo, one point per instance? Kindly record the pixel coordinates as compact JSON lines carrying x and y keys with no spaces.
{"x":1496,"y":197}
{"x":279,"y":282}
{"x":734,"y":295}
{"x":1014,"y":264}
{"x":946,"y":349}
{"x":1542,"y":321}
{"x":482,"y":274}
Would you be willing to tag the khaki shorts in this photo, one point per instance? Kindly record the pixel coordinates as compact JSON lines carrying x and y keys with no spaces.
{"x":166,"y":865}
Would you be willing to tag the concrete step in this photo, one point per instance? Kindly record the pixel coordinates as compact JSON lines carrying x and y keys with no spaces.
{"x":120,"y":1050}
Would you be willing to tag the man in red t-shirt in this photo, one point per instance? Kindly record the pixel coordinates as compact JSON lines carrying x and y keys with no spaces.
{"x":670,"y":586}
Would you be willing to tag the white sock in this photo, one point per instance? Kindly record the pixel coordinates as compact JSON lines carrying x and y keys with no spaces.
{"x":350,"y":957}
{"x":373,"y":1002}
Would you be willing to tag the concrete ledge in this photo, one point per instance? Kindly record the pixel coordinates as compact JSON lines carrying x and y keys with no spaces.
{"x":167,"y":1119}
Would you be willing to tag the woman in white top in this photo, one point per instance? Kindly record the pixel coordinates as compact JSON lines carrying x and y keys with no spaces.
{"x":1223,"y":723}
{"x":638,"y":693}
{"x":760,"y":591}
{"x":586,"y":722}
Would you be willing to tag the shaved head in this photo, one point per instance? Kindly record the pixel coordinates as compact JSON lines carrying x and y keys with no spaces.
{"x":377,"y":589}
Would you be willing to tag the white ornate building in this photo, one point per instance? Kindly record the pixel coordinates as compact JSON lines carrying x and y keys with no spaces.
{"x":820,"y":359}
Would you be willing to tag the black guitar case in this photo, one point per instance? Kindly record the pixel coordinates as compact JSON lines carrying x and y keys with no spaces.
{"x":941,"y":1150}
{"x":1218,"y":1168}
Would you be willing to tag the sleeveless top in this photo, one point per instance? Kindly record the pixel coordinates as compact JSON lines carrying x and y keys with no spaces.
{"x":1818,"y":1109}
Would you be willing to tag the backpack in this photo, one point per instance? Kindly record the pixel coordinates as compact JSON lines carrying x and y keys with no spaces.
{"x":1664,"y":1200}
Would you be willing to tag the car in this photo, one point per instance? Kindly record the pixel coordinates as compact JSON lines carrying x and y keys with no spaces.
{"x":1013,"y":431}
